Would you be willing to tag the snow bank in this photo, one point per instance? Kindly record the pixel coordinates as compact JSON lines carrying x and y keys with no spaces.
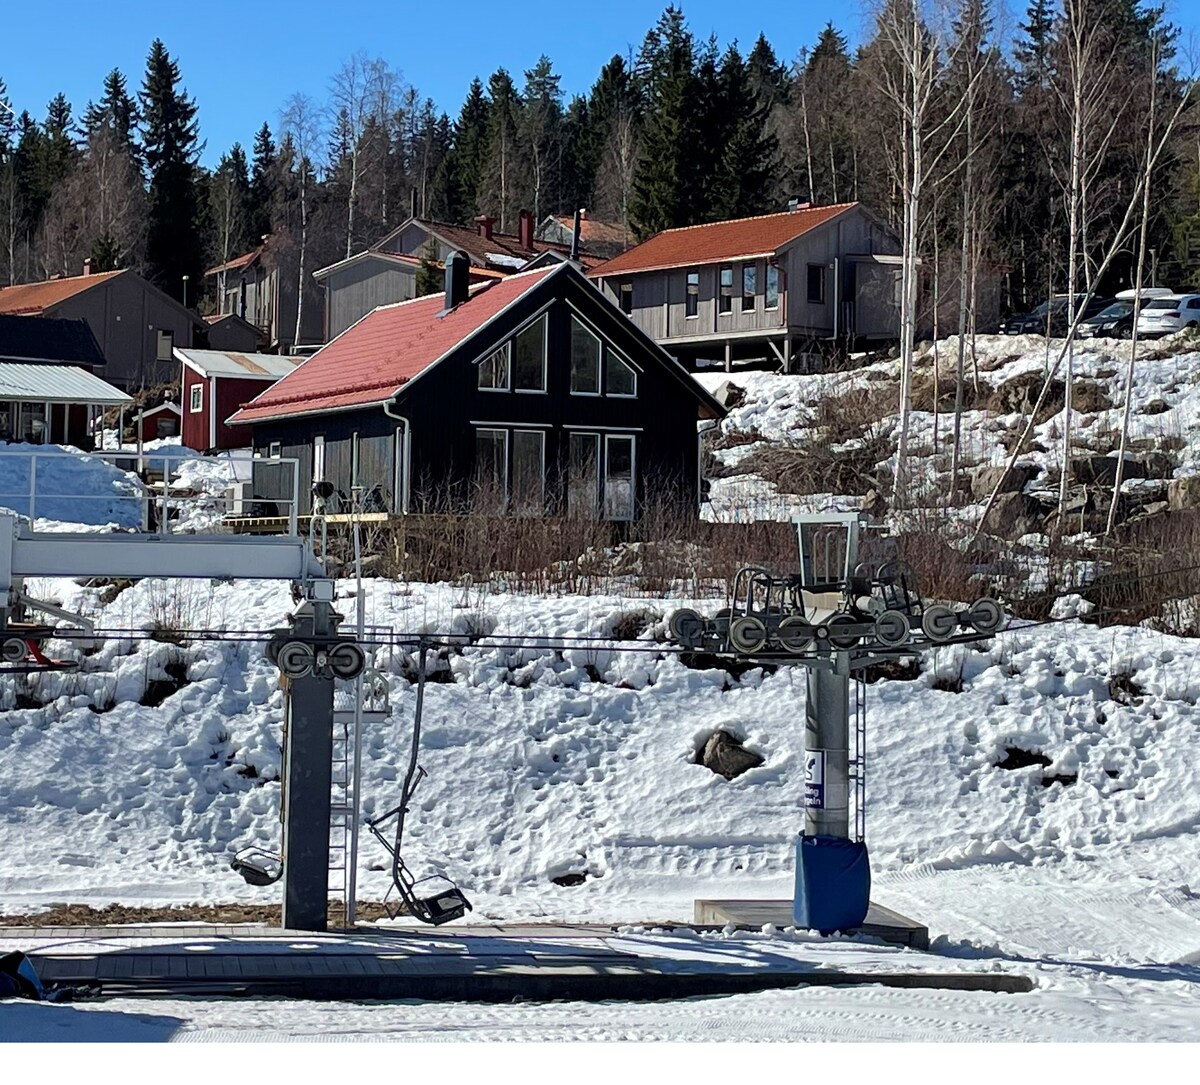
{"x":68,"y":486}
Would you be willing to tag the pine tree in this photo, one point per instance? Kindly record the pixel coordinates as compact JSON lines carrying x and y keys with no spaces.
{"x":262,"y":186}
{"x":174,"y":246}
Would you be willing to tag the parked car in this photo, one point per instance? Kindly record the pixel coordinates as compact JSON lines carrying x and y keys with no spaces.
{"x":1116,"y":321}
{"x":1054,"y":314}
{"x":1162,"y":316}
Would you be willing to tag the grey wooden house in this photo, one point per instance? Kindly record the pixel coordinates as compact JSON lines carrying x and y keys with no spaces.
{"x":764,"y":288}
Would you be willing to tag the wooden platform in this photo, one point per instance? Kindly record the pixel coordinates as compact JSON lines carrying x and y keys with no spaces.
{"x":881,"y":922}
{"x":481,"y":964}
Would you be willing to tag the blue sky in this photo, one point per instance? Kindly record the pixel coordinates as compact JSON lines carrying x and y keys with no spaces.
{"x":241,"y":60}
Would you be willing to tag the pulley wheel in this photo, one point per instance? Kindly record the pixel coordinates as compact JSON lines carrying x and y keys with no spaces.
{"x":14,"y":650}
{"x":986,"y":615}
{"x":795,"y":634}
{"x":686,"y":627}
{"x":939,"y":622}
{"x":347,"y":660}
{"x":747,"y":635}
{"x":892,"y":628}
{"x":842,"y":640}
{"x":295,"y":659}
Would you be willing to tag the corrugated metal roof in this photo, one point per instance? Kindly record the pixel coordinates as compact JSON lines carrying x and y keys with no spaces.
{"x":236,"y":363}
{"x":57,"y":384}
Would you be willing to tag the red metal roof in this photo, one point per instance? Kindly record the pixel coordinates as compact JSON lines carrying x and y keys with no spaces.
{"x":369,"y":361}
{"x":735,"y":239}
{"x":38,"y":297}
{"x":245,"y":260}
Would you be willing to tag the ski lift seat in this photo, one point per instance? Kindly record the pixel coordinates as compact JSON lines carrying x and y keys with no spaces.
{"x":443,"y":907}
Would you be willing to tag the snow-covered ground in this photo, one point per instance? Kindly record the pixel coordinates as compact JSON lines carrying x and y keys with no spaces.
{"x":1164,"y":414}
{"x":1083,"y":873}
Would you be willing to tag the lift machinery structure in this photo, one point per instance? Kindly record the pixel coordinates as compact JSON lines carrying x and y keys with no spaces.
{"x":311,"y":652}
{"x":835,"y":616}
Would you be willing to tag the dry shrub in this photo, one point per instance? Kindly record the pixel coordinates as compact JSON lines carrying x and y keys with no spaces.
{"x":1019,"y":394}
{"x":820,"y":462}
{"x":975,"y":397}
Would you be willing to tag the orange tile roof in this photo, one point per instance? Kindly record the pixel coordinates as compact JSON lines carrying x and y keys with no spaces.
{"x":246,"y":259}
{"x":734,"y":239}
{"x":38,"y":297}
{"x":386,"y":349}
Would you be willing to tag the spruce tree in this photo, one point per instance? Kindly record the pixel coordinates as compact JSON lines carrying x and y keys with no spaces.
{"x":500,"y":188}
{"x":262,"y":186}
{"x":744,"y":173}
{"x":174,"y":247}
{"x":117,"y":110}
{"x":465,"y":169}
{"x":430,"y":278}
{"x":665,"y":189}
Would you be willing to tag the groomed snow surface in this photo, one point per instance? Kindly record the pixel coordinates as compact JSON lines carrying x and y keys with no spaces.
{"x":1081,"y":870}
{"x":544,"y":763}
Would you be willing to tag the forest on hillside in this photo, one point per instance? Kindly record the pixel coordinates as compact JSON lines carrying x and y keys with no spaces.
{"x":1011,"y":154}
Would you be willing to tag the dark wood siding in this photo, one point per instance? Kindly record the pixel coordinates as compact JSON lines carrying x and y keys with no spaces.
{"x":444,"y":408}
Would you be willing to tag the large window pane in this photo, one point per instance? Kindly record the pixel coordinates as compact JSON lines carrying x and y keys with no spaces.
{"x":493,"y":370}
{"x":693,"y":293}
{"x":583,"y":477}
{"x":585,"y":360}
{"x":491,"y":469}
{"x":618,"y":478}
{"x":620,"y":379}
{"x":816,"y":284}
{"x":529,"y":358}
{"x":772,"y":293}
{"x":725,"y":294}
{"x":529,"y":492}
{"x":749,"y":286}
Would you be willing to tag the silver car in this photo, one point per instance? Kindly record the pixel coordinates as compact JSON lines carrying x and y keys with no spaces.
{"x":1162,"y":316}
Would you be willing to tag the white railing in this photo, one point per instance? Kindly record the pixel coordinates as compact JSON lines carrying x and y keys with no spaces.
{"x":164,"y":491}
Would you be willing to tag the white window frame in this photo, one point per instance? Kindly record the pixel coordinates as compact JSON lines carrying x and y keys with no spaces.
{"x":504,"y":348}
{"x":609,"y":354}
{"x":721,"y":296}
{"x":512,"y":357}
{"x":632,"y":439}
{"x":597,"y":467}
{"x":196,"y":398}
{"x":506,"y":482}
{"x":599,"y":360}
{"x":535,"y":509}
{"x":274,"y":450}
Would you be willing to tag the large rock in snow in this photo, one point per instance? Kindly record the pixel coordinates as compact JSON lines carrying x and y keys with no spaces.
{"x":727,"y":757}
{"x":1013,"y":515}
{"x":1184,"y":493}
{"x":984,"y":479}
{"x":729,"y":395}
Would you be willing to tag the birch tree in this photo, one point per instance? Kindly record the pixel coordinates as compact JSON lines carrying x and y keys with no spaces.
{"x":301,"y":126}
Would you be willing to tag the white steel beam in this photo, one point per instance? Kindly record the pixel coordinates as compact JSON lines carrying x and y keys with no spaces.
{"x":27,"y":553}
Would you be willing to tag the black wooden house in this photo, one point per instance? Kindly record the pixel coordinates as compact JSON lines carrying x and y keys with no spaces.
{"x":532,"y":395}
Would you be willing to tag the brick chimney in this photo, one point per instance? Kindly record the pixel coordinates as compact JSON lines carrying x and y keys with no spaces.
{"x":485,"y":224}
{"x":87,"y":266}
{"x":525,"y":230}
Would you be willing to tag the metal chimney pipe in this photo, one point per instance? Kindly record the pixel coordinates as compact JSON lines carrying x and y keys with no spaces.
{"x":458,"y":271}
{"x":575,"y":234}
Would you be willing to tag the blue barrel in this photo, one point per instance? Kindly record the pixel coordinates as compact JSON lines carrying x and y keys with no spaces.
{"x":833,"y":884}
